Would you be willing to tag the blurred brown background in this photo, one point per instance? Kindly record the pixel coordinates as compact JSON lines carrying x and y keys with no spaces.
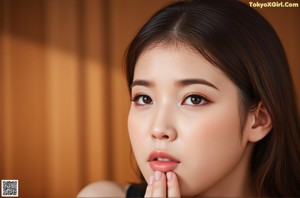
{"x":64,"y":100}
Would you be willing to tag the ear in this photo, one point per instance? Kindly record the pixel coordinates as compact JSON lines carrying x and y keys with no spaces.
{"x":259,"y":123}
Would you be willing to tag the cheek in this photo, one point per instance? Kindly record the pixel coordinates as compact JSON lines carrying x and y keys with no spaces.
{"x":137,"y":128}
{"x":215,"y":137}
{"x":214,"y":147}
{"x":217,"y":126}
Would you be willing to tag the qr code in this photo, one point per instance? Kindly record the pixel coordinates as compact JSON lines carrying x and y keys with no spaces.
{"x":9,"y":188}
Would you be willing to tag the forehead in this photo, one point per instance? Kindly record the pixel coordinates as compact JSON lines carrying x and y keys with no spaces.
{"x":175,"y":60}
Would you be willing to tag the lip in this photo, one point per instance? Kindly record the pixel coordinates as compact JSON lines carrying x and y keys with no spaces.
{"x":163,"y":166}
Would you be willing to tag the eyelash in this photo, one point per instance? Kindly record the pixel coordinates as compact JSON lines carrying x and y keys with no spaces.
{"x":203,"y":100}
{"x":136,"y":98}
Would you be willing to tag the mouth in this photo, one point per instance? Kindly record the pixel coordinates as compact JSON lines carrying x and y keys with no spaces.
{"x":161,"y":161}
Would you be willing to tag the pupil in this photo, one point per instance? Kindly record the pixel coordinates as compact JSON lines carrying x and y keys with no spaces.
{"x":146,"y":99}
{"x":195,"y":100}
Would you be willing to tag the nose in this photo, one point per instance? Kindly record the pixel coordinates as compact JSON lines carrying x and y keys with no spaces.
{"x":164,"y":134}
{"x":163,"y":126}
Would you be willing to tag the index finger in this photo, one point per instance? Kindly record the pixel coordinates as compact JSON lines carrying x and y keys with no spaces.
{"x":172,"y":185}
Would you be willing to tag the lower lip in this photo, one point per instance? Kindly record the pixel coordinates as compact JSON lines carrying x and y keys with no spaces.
{"x":163,"y":166}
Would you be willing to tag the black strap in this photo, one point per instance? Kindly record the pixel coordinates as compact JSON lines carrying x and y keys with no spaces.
{"x":136,"y":190}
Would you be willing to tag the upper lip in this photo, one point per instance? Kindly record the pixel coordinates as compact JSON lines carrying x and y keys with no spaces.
{"x":161,"y":154}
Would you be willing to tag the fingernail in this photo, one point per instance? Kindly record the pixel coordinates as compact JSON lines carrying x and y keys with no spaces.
{"x":151,"y":180}
{"x":157,"y":175}
{"x":169,"y":176}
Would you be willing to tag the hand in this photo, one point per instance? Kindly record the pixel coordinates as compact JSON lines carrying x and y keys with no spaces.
{"x":163,"y":185}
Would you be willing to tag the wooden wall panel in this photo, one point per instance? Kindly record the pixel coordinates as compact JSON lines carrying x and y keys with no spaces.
{"x":63,"y":98}
{"x":95,"y":70}
{"x":23,"y":102}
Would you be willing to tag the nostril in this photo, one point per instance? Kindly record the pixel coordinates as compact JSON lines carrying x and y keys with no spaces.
{"x":167,"y":134}
{"x":160,"y":137}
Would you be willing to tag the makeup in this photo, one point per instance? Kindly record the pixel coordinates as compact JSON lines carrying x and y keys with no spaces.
{"x":162,"y":161}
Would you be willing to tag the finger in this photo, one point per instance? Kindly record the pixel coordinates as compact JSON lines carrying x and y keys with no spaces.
{"x":172,"y":185}
{"x":149,"y":187}
{"x":159,"y":185}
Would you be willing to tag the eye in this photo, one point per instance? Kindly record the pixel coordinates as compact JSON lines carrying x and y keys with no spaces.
{"x":142,"y":100}
{"x":194,"y":100}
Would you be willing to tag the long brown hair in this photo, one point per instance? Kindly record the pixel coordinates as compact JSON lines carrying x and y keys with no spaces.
{"x":240,"y":42}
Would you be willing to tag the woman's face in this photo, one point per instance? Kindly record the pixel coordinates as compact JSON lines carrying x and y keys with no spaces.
{"x":185,"y":118}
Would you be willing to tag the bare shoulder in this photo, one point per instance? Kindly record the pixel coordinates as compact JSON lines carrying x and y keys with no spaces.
{"x":103,"y":189}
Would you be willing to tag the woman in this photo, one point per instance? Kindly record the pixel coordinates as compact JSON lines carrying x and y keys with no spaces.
{"x":213,"y":109}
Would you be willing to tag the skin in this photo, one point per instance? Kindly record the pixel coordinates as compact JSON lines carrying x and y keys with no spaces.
{"x":197,"y":123}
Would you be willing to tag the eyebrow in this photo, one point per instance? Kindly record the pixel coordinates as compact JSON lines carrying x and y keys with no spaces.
{"x":185,"y":82}
{"x":144,"y":83}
